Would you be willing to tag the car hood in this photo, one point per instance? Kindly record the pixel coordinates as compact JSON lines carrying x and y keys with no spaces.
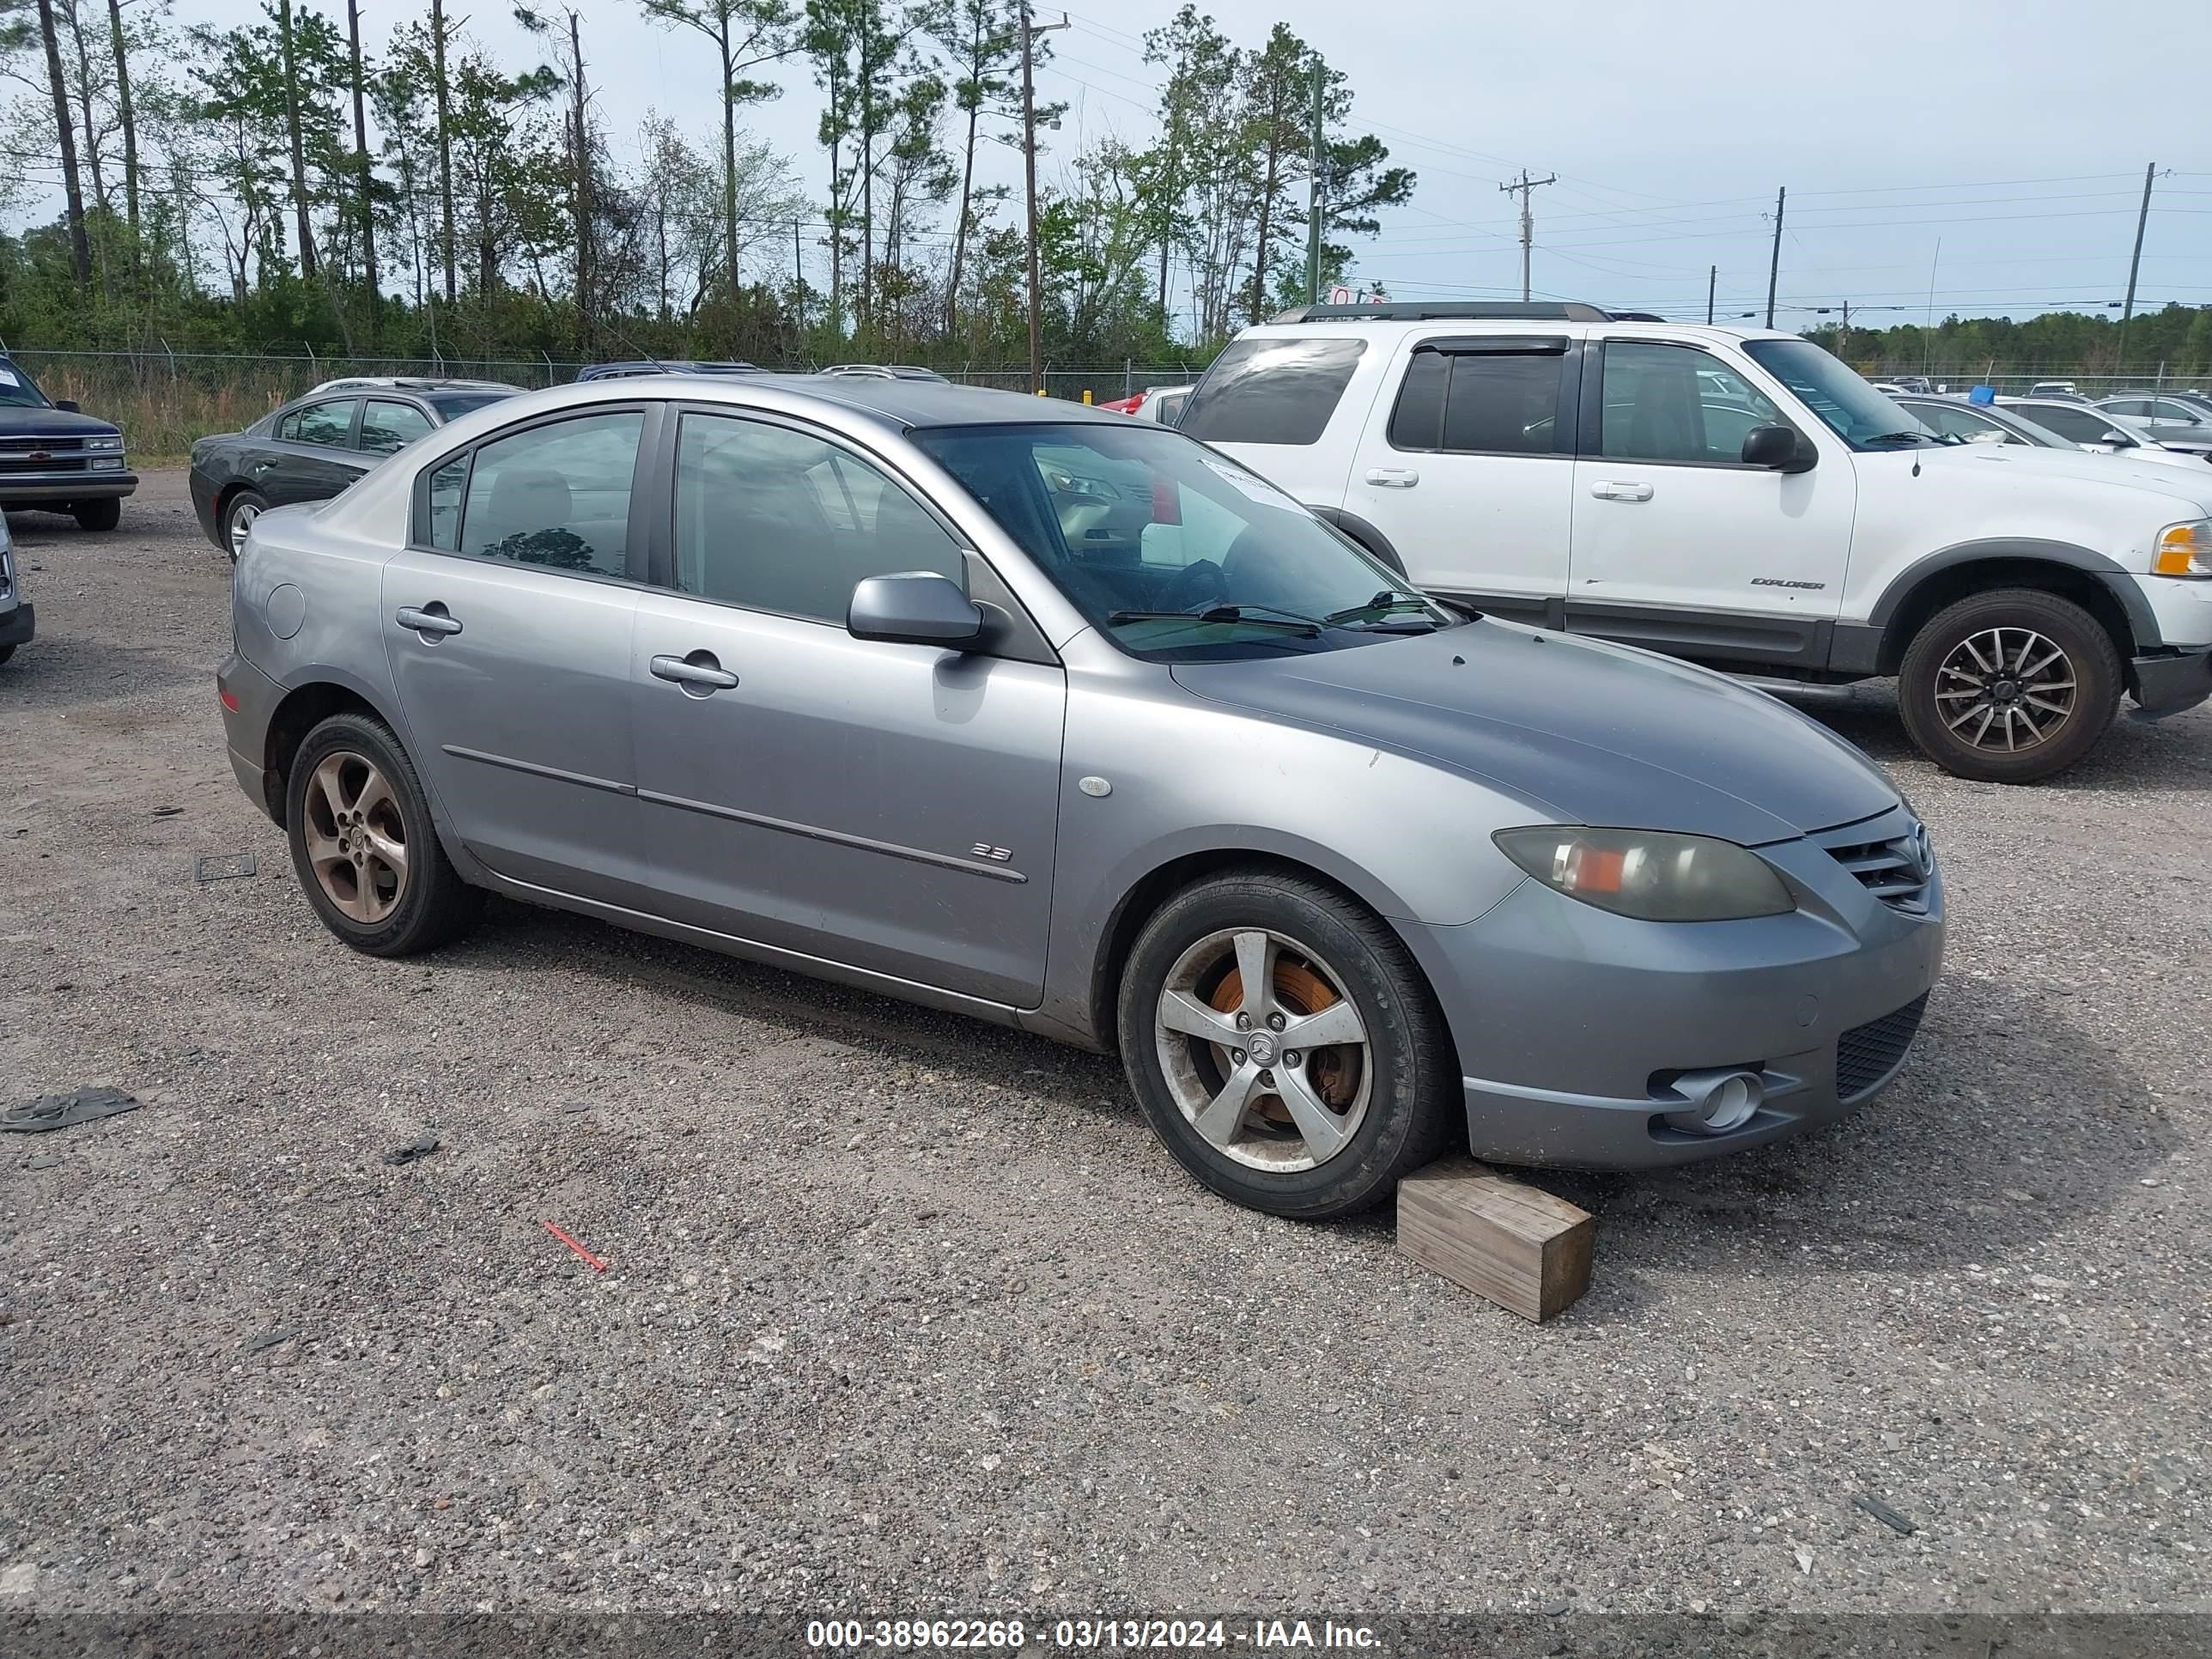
{"x":20,"y":421}
{"x":2091,"y":464}
{"x":1587,"y":733}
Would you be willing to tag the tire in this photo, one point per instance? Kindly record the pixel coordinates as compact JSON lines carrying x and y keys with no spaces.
{"x":1391,"y":1099}
{"x":6,"y":652}
{"x":1959,"y":661}
{"x":239,"y":513}
{"x":345,"y":832}
{"x":103,"y":514}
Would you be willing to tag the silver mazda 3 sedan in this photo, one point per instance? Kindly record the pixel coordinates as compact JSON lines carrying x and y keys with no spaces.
{"x":1065,"y":722}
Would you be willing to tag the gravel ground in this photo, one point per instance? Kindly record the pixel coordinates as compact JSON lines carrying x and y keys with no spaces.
{"x":906,"y":1313}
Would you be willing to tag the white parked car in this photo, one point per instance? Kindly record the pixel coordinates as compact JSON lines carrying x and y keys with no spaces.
{"x":2178,"y":422}
{"x":2022,"y":422}
{"x":2104,"y":429}
{"x":1739,"y":498}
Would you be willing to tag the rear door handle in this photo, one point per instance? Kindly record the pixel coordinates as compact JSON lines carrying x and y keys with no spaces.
{"x":429,"y":621}
{"x":1392,"y":477}
{"x":1621,"y":492}
{"x":700,"y":670}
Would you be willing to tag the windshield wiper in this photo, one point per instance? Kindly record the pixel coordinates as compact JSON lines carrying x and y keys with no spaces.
{"x":1902,"y":438}
{"x":1304,"y":626}
{"x":1381,"y":604}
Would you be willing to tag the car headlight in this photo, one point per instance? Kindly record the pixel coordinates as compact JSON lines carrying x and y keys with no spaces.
{"x":1649,"y":874}
{"x":115,"y":442}
{"x":2183,"y":550}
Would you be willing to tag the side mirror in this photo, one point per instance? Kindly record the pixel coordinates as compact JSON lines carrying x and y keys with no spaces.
{"x":915,"y":607}
{"x":2117,"y":439}
{"x":68,"y":405}
{"x":1779,"y":448}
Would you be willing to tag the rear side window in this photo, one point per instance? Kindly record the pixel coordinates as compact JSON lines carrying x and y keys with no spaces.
{"x":1480,"y":402}
{"x":556,"y":495}
{"x":1266,"y":391}
{"x":386,"y":426}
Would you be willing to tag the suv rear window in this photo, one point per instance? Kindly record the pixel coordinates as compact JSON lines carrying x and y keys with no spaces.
{"x":1271,"y":391}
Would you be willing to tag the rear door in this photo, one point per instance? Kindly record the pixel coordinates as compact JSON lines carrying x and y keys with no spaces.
{"x":309,"y":456}
{"x":1466,"y":466}
{"x":893,"y":808}
{"x":507,"y":624}
{"x":1677,"y":545}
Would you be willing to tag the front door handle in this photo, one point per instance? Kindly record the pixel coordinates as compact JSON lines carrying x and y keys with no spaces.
{"x":1621,"y":492}
{"x":699,"y":671}
{"x":1392,"y":477}
{"x":430,"y":621}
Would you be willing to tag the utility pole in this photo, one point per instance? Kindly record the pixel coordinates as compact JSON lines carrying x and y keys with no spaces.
{"x":2134,"y":264}
{"x":1774,"y":264}
{"x":798,"y":276}
{"x":1526,"y":188}
{"x":1712,"y":281}
{"x":366,"y":179}
{"x":1844,"y":334}
{"x":583,"y":192}
{"x":1315,"y":144}
{"x":1030,"y":32}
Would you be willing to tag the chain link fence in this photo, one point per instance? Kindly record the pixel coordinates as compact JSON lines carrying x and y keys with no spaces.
{"x":165,"y":400}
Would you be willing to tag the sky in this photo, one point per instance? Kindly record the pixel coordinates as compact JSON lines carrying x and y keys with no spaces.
{"x":1967,"y":155}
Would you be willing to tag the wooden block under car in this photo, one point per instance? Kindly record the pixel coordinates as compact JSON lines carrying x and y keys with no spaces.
{"x":1522,"y":1248}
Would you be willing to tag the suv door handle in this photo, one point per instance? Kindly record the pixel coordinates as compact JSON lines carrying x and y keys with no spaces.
{"x":428,"y":620}
{"x":1392,"y":477}
{"x":1621,"y":492}
{"x":699,"y":669}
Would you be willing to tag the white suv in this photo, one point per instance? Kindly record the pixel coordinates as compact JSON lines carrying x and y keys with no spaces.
{"x":1739,"y":498}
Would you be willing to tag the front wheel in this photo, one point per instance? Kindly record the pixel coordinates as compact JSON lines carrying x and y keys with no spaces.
{"x":1284,"y":1046}
{"x":2010,"y":686}
{"x":103,"y":514}
{"x":363,"y":846}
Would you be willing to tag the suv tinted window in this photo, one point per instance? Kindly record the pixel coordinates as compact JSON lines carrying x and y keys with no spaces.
{"x":1670,"y":403}
{"x":2127,"y":405}
{"x":2083,"y":425}
{"x":387,"y":426}
{"x":773,"y":520}
{"x":1272,"y":391}
{"x":1480,"y":402}
{"x":555,"y":495}
{"x":328,"y":424}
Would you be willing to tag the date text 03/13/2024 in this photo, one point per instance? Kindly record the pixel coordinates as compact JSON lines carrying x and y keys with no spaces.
{"x":1170,"y":1635}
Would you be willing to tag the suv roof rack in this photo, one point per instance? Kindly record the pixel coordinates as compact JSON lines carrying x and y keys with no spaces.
{"x":1425,"y":311}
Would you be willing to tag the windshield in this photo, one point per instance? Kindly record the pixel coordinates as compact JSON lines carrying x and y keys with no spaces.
{"x":1846,"y":404}
{"x":17,"y":391}
{"x":1175,"y":553}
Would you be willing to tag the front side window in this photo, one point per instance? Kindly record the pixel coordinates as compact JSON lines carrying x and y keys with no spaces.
{"x":2166,"y":409}
{"x":556,"y":495}
{"x":2081,"y":426}
{"x":17,"y":390}
{"x":775,"y":520}
{"x":1175,"y":553}
{"x":1483,"y":403}
{"x":1263,"y":390}
{"x":386,"y":426}
{"x":1950,"y":423}
{"x":1846,"y":404}
{"x":2129,"y":405}
{"x":329,"y":425}
{"x":1671,"y":403}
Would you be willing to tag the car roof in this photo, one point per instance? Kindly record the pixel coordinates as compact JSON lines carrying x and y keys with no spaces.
{"x":407,"y":383}
{"x":941,"y":402}
{"x":1639,"y":325}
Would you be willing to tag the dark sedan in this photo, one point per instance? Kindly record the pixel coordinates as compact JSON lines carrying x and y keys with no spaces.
{"x":316,"y":446}
{"x":56,"y":459}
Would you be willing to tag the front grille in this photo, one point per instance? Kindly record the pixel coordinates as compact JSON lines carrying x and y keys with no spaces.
{"x":1867,"y":1055}
{"x":12,"y":464}
{"x":1889,"y":856}
{"x":23,"y":446}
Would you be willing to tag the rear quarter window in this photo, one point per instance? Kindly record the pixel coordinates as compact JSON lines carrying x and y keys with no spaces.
{"x":1266,"y":391}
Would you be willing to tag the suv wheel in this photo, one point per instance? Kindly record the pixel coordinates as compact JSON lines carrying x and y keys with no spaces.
{"x":363,"y":846}
{"x":2010,"y":686}
{"x":1283,"y":1045}
{"x":103,"y":514}
{"x":238,"y":516}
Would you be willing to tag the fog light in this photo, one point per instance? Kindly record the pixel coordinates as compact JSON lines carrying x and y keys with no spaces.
{"x":104,"y":462}
{"x":1715,"y":1101}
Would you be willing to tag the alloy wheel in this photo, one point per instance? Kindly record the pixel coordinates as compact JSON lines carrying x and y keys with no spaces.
{"x":357,"y":839}
{"x":1264,"y":1053}
{"x":241,"y":521}
{"x":2006,"y":689}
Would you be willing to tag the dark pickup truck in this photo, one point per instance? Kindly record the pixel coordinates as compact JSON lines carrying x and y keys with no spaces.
{"x":58,"y":459}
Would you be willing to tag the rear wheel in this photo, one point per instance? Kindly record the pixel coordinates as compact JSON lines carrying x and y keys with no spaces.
{"x":103,"y":514}
{"x":6,"y":652}
{"x":238,"y":516}
{"x":1283,"y":1045}
{"x":363,"y":846}
{"x":2010,"y":686}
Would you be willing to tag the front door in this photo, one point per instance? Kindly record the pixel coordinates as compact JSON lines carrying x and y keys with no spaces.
{"x":508,"y":624}
{"x":893,"y":808}
{"x":1680,"y":546}
{"x":1470,"y":472}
